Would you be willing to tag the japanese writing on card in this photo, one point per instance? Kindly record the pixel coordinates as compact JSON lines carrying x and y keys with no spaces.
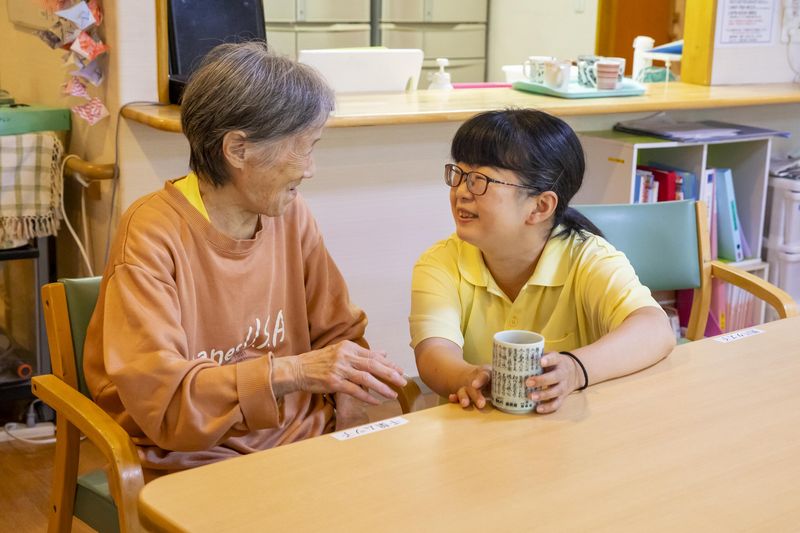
{"x":366,"y":429}
{"x":737,"y":335}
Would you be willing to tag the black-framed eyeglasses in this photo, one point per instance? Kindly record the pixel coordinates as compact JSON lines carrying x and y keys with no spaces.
{"x":477,"y":183}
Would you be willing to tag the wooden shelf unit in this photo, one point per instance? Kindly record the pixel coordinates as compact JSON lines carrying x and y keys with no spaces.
{"x":612,"y":157}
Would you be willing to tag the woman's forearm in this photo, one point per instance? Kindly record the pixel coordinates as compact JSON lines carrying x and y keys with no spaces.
{"x":643,"y":339}
{"x":441,"y":365}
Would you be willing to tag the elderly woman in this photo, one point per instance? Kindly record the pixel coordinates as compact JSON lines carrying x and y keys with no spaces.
{"x":223,"y":326}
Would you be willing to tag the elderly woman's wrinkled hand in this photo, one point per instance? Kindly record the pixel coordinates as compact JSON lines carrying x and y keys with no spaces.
{"x":349,"y":368}
{"x":475,"y":388}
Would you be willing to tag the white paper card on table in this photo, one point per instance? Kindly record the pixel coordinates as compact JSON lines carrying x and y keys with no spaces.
{"x":738,"y":335}
{"x":366,"y":429}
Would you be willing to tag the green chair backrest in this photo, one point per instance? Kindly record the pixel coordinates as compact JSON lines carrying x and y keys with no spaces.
{"x":81,"y":298}
{"x":660,"y":240}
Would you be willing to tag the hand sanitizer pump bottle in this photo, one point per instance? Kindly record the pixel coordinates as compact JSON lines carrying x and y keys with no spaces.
{"x":441,"y":79}
{"x":641,"y":44}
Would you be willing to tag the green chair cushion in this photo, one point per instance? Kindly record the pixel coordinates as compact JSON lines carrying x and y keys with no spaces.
{"x":660,"y":240}
{"x":81,"y":299}
{"x":93,"y":502}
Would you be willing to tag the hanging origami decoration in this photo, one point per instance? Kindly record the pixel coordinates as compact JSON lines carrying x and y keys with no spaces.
{"x":76,"y":32}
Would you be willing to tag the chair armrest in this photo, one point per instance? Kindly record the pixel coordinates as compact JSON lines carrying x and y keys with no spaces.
{"x":774,"y":296}
{"x":406,"y":396}
{"x":109,"y":437}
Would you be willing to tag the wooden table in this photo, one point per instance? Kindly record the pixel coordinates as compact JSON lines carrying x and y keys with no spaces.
{"x":708,"y":439}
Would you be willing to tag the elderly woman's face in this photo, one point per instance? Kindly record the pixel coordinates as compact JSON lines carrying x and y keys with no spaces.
{"x":270,"y":178}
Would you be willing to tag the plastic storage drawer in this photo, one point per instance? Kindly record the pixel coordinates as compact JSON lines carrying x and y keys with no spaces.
{"x":784,"y":222}
{"x":453,"y":41}
{"x":784,"y":270}
{"x":316,"y":11}
{"x":290,"y":39}
{"x":434,"y":10}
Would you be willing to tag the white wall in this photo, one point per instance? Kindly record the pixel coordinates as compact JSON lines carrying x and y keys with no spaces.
{"x":754,"y":63}
{"x":522,"y":28}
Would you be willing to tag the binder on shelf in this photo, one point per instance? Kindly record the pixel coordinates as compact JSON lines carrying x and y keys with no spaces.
{"x":645,"y":188}
{"x":746,"y":251}
{"x":728,"y":227}
{"x":707,"y":194}
{"x":670,"y":185}
{"x":689,"y":189}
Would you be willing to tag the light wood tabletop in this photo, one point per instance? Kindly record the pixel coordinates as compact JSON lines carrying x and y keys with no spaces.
{"x":459,"y":105}
{"x":706,"y":440}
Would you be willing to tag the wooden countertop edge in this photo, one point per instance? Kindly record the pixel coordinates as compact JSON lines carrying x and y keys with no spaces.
{"x":167,"y":118}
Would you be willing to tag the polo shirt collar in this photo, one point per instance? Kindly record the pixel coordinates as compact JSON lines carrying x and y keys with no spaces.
{"x":551,"y":271}
{"x":555,"y":261}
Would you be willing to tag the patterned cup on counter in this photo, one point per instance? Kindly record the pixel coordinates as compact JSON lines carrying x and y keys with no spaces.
{"x":556,"y":74}
{"x":516,"y":356}
{"x":586,"y":73}
{"x":534,"y":67}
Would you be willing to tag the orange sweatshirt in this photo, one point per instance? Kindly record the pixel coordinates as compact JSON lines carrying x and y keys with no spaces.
{"x":180,"y":345}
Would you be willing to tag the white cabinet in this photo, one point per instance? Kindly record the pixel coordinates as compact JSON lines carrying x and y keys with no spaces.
{"x":279,"y":11}
{"x":294,"y":25}
{"x":455,"y":29}
{"x":434,"y":10}
{"x":461,"y":71}
{"x":454,"y":41}
{"x":611,"y":159}
{"x":289,"y":39}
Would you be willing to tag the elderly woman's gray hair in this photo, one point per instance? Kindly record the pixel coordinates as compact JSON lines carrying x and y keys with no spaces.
{"x":248,"y":88}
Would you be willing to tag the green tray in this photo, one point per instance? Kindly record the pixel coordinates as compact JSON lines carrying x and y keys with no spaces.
{"x":628,"y":87}
{"x":28,"y":119}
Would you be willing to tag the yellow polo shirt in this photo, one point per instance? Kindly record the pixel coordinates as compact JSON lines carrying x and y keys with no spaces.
{"x":191,"y":190}
{"x":580,"y":290}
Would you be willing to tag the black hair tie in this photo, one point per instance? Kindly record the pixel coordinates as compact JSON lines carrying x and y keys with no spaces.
{"x":583,"y":368}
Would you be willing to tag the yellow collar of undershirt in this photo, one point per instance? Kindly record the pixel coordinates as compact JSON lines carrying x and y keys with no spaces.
{"x":190,"y":187}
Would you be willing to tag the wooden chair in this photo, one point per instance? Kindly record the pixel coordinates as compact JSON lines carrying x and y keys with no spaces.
{"x":668,"y":245}
{"x":106,"y":503}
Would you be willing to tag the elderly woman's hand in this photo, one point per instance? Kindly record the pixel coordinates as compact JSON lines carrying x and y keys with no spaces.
{"x":346,"y":367}
{"x":475,"y":388}
{"x":560,"y":378}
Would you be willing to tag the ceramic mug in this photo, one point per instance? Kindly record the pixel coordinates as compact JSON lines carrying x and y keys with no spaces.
{"x":516,"y":356}
{"x":620,"y":61}
{"x":586,"y":74}
{"x":606,"y":74}
{"x":534,"y":68}
{"x":556,"y":74}
{"x":587,"y":69}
